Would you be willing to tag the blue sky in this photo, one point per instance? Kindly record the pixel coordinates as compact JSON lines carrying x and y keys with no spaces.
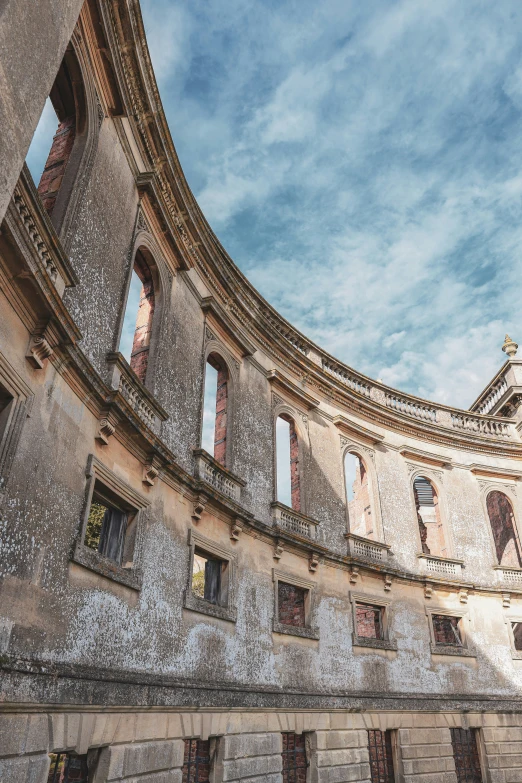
{"x":361,"y":163}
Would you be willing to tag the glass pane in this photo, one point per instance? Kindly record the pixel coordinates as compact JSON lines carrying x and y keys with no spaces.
{"x":42,"y":142}
{"x":209,"y":409}
{"x":284,"y":493}
{"x":131,"y":314}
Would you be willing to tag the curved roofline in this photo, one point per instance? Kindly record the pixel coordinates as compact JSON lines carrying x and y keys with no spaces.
{"x":167,"y":187}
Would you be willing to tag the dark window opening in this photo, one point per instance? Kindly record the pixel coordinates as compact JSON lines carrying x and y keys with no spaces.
{"x":209,"y":578}
{"x":291,"y":601}
{"x":358,"y":496}
{"x":369,"y":621}
{"x":294,"y":758}
{"x":6,"y":406}
{"x":502,"y":520}
{"x":214,"y":435}
{"x":110,"y":526}
{"x":196,"y":761}
{"x":68,"y":768}
{"x":446,"y":630}
{"x":517,"y":635}
{"x":381,"y":756}
{"x":429,"y":518}
{"x":287,"y":460}
{"x":466,"y":756}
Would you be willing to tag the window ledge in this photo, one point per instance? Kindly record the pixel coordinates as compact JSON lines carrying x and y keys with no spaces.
{"x":295,"y":630}
{"x":197,"y":604}
{"x":378,"y":644}
{"x":445,"y":649}
{"x":130,"y":577}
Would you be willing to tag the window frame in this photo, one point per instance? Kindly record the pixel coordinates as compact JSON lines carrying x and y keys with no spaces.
{"x":99,"y":473}
{"x":310,"y":630}
{"x":214,"y":346}
{"x":486,"y":490}
{"x":436,"y":481}
{"x":366,"y":456}
{"x":509,"y":620}
{"x":381,"y":603}
{"x":20,"y":408}
{"x":446,"y":649}
{"x":282,"y":409}
{"x":194,"y":602}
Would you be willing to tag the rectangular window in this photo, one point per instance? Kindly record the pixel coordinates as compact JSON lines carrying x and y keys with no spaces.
{"x":209,"y":578}
{"x":517,"y":636}
{"x":196,"y":761}
{"x":110,"y":528}
{"x":446,"y":630}
{"x":369,"y":621}
{"x":292,"y":604}
{"x":381,"y":756}
{"x":294,"y":758}
{"x":67,"y":768}
{"x":466,"y":755}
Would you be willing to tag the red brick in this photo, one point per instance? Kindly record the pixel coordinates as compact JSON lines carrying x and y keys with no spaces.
{"x":56,"y":163}
{"x":291,"y":602}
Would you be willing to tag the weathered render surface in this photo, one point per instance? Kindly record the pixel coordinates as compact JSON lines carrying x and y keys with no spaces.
{"x":125,"y":658}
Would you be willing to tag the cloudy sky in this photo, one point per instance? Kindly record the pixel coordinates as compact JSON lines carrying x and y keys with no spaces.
{"x":361,"y":163}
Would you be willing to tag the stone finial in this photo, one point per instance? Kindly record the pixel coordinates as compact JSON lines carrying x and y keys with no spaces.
{"x":509,"y":347}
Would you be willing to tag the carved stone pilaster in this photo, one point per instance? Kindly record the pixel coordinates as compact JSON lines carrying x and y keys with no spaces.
{"x":39,"y":351}
{"x":106,"y":427}
{"x":236,"y":528}
{"x":151,"y":471}
{"x":198,"y":507}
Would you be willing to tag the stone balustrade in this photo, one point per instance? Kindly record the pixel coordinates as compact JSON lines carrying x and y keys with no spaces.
{"x":293,"y":521}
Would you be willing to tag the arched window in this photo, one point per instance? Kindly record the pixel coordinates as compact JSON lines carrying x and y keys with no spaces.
{"x":502,"y":520}
{"x":214,"y":437}
{"x":65,"y":108}
{"x":139,"y":313}
{"x":360,"y":517}
{"x":429,"y":518}
{"x":287,"y":461}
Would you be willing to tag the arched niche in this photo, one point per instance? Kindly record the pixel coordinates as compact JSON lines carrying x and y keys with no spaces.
{"x":363,"y":510}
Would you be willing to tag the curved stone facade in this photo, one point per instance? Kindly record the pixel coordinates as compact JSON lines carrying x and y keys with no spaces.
{"x":153,"y":593}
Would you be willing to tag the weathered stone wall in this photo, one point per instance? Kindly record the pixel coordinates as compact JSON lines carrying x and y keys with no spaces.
{"x":79,"y":631}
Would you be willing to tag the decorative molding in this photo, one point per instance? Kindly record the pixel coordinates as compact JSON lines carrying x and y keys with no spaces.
{"x":198,"y":506}
{"x":352,"y":429}
{"x":106,"y":428}
{"x":425,"y":457}
{"x":39,"y":351}
{"x":313,"y":562}
{"x":278,"y":549}
{"x":212,"y":308}
{"x":388,"y":579}
{"x":286,"y":386}
{"x":236,"y":528}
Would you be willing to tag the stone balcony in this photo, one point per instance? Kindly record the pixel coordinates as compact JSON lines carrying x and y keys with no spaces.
{"x":123,"y":379}
{"x":366,"y":549}
{"x":220,"y":478}
{"x":294,"y":522}
{"x":509,"y":576}
{"x":442,"y":567}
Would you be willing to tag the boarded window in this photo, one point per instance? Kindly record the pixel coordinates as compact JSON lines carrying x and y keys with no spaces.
{"x":429,"y":518}
{"x":381,"y":756}
{"x":466,"y":756}
{"x":210,"y":578}
{"x":358,"y":497}
{"x":68,"y":768}
{"x":446,"y":630}
{"x":215,"y":409}
{"x":369,"y":621}
{"x":110,"y":526}
{"x":500,"y":512}
{"x":287,"y":459}
{"x":517,"y":635}
{"x":196,"y":761}
{"x":294,"y":758}
{"x":291,"y":604}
